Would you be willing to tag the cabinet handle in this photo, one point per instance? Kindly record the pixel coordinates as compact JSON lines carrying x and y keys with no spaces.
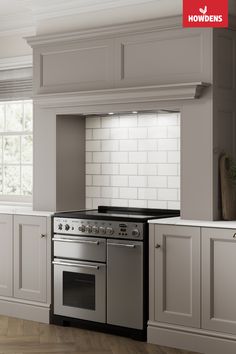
{"x":43,"y":235}
{"x":158,"y":246}
{"x":234,"y":236}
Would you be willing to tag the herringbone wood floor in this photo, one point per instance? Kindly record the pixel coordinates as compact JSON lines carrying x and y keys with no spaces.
{"x":25,"y":337}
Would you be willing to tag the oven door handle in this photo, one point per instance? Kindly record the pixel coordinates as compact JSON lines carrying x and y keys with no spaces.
{"x":75,"y":240}
{"x":79,"y":265}
{"x":122,"y":245}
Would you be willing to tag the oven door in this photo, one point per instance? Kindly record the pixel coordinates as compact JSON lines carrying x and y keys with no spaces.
{"x":80,"y":289}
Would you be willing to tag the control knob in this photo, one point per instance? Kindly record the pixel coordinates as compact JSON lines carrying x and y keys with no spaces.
{"x":82,"y":228}
{"x":95,"y":230}
{"x":60,"y":226}
{"x":67,"y":227}
{"x":88,"y":229}
{"x":135,"y":232}
{"x":102,"y":230}
{"x":109,"y":231}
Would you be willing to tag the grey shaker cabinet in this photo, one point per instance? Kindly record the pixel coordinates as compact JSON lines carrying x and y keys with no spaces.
{"x":192,"y":277}
{"x":219,"y":279}
{"x":30,"y":258}
{"x":6,"y":257}
{"x":175,"y":255}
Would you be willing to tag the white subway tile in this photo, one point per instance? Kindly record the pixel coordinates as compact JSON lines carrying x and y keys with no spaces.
{"x":89,"y":157}
{"x":92,"y":122}
{"x":147,"y":120}
{"x":101,"y":180}
{"x":157,"y":204}
{"x":147,"y":193}
{"x":129,"y":120}
{"x":167,"y":144}
{"x":179,"y":170}
{"x":135,"y":203}
{"x":110,"y":145}
{"x":100,"y":201}
{"x":173,"y":131}
{"x":167,"y":119}
{"x":138,"y":133}
{"x":137,"y":157}
{"x":157,"y":156}
{"x":93,"y":169}
{"x":110,"y":169}
{"x":120,"y":181}
{"x":101,"y":156}
{"x":157,"y":181}
{"x":109,"y":192}
{"x":101,"y":134}
{"x":119,"y":202}
{"x":167,"y":169}
{"x":147,"y":169}
{"x":89,"y":134}
{"x":173,"y":156}
{"x":174,"y":205}
{"x":147,"y":145}
{"x":93,"y":145}
{"x":168,"y":194}
{"x":110,"y":122}
{"x":128,"y":169}
{"x":128,"y":193}
{"x":174,"y":182}
{"x":92,"y":192}
{"x":157,"y":132}
{"x":119,"y":157}
{"x":128,"y":145}
{"x":89,"y":180}
{"x":119,"y":133}
{"x":89,"y":203}
{"x":138,"y":181}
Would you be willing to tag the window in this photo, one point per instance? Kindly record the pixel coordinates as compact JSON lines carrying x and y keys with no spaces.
{"x":16,"y":151}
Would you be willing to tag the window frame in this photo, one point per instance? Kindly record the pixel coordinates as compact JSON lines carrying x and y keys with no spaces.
{"x":17,"y":198}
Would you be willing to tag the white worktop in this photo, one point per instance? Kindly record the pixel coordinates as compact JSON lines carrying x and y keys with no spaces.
{"x":22,"y":210}
{"x":197,"y":223}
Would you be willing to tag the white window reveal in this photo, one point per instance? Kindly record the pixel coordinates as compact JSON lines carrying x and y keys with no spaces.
{"x":16,"y":151}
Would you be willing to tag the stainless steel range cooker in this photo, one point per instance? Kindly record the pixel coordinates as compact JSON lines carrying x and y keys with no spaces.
{"x":100,"y":268}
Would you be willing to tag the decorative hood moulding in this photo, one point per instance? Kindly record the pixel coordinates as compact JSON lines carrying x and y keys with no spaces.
{"x":183,"y":91}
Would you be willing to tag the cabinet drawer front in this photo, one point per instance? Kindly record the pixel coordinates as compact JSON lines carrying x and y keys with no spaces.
{"x":83,"y":248}
{"x":219,"y":281}
{"x":177,"y":275}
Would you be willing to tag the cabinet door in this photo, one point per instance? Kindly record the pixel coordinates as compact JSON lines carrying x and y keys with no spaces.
{"x":6,"y":253}
{"x":219,"y":280}
{"x":177,"y":275}
{"x":30,"y":246}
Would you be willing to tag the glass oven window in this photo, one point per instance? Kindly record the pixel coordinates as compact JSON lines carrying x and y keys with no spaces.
{"x":79,"y":290}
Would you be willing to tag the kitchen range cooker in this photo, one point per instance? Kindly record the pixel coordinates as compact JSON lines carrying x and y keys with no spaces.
{"x":100,"y":268}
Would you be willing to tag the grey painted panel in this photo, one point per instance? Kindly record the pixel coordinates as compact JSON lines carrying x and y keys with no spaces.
{"x":30,"y":258}
{"x":6,"y":255}
{"x":70,"y":162}
{"x":218,"y":277}
{"x":226,"y":62}
{"x":177,"y":275}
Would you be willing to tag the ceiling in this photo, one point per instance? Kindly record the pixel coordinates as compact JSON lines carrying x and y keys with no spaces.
{"x":43,"y":15}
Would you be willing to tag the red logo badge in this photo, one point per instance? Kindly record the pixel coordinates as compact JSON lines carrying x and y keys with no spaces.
{"x":205,"y":13}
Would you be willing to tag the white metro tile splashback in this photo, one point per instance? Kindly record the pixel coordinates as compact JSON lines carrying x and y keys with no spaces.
{"x":133,"y":160}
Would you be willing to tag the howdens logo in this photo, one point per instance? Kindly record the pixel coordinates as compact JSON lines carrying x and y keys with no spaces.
{"x":205,"y":13}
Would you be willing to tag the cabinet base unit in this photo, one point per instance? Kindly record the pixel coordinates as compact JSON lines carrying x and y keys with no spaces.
{"x":25,"y":311}
{"x":199,"y":341}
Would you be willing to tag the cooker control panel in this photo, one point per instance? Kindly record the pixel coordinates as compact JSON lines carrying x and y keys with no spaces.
{"x":107,"y":228}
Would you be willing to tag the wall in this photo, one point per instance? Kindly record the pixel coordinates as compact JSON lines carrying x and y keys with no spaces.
{"x":133,"y":160}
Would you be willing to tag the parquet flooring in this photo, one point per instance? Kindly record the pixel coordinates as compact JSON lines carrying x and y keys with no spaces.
{"x":26,"y":337}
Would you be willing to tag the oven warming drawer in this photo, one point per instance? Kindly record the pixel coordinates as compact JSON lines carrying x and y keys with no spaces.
{"x":80,"y":248}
